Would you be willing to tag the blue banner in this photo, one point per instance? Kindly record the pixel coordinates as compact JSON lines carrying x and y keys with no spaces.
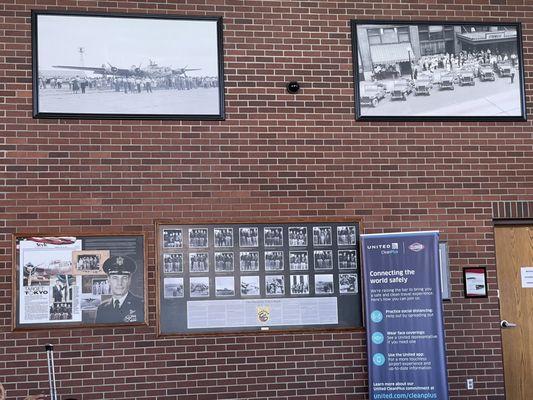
{"x":405,"y":333}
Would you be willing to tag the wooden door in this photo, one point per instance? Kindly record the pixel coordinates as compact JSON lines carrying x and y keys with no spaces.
{"x":514,"y":251}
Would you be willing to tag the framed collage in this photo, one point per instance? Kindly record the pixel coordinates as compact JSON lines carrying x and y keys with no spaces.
{"x":258,"y":276}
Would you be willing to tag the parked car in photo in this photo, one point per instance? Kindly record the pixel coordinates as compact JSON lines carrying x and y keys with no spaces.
{"x":466,"y":78}
{"x":485,"y":72}
{"x":401,"y":89}
{"x":503,"y":69}
{"x":372,"y":94}
{"x":423,"y":86}
{"x":446,"y":82}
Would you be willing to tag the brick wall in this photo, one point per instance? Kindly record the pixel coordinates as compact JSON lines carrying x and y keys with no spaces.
{"x":275,"y":155}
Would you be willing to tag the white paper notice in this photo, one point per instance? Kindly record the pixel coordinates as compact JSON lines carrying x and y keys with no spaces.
{"x":261,"y":312}
{"x":527,"y":277}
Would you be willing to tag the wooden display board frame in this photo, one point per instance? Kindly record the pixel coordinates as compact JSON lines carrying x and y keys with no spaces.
{"x":265,"y":275}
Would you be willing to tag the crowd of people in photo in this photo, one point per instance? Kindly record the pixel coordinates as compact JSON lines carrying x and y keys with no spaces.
{"x":323,"y":259}
{"x":198,"y":238}
{"x":273,"y":237}
{"x":198,"y":262}
{"x":173,"y":263}
{"x":88,"y":263}
{"x":347,"y":259}
{"x":224,"y":237}
{"x":61,"y":311}
{"x":249,"y":261}
{"x":298,"y":260}
{"x":274,"y":261}
{"x":81,"y":84}
{"x":297,"y":237}
{"x":448,"y":62}
{"x":346,"y":235}
{"x":173,"y":238}
{"x":101,"y":287}
{"x":322,"y":236}
{"x":299,"y":284}
{"x":248,"y":237}
{"x":223,"y":262}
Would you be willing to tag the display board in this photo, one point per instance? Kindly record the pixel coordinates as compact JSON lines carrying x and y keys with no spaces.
{"x":64,"y":281}
{"x":222,"y":277}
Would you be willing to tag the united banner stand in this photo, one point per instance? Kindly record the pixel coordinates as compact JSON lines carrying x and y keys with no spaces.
{"x":405,"y":333}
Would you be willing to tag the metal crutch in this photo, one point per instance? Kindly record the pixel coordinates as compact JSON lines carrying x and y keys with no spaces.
{"x":51,"y":371}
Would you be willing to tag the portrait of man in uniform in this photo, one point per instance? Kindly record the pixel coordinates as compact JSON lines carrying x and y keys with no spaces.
{"x":122,"y":306}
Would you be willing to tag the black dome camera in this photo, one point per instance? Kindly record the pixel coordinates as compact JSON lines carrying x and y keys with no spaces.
{"x":293,"y":87}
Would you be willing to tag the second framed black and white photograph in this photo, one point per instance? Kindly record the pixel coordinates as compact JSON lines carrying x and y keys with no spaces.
{"x":127,"y":66}
{"x":438,"y":71}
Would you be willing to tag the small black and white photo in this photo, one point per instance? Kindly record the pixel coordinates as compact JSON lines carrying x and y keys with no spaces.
{"x":439,"y":71}
{"x":224,"y":262}
{"x":250,"y":285}
{"x":172,"y":238}
{"x":347,"y":259}
{"x":348,"y":283}
{"x":109,"y":66}
{"x":324,"y":284}
{"x":249,"y":261}
{"x":199,"y":286}
{"x":323,"y":259}
{"x":198,"y":262}
{"x":322,"y":236}
{"x":61,"y":311}
{"x":223,"y":237}
{"x":173,"y":263}
{"x":298,"y":261}
{"x":299,"y":284}
{"x":273,"y":236}
{"x":297,"y":236}
{"x":274,"y":285}
{"x":274,"y":261}
{"x":346,"y":235}
{"x":198,"y":238}
{"x":173,"y":288}
{"x":90,"y":301}
{"x":248,"y":237}
{"x":100,"y":286}
{"x":224,"y":286}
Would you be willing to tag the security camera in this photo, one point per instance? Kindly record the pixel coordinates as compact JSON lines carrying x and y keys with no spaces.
{"x":293,"y":87}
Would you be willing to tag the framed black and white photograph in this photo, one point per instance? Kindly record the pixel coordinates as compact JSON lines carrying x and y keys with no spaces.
{"x":274,"y":261}
{"x":298,"y":236}
{"x":199,"y":286}
{"x":172,"y":238}
{"x":298,"y":261}
{"x":273,"y":236}
{"x":88,"y":262}
{"x":249,"y":261}
{"x":126,"y":66}
{"x":224,"y":286}
{"x":224,"y":262}
{"x":250,"y":285}
{"x":173,"y":263}
{"x":472,"y":71}
{"x":322,"y":236}
{"x":274,"y":285}
{"x":323,"y":259}
{"x":347,"y":283}
{"x":324,"y":284}
{"x":299,"y":284}
{"x":223,"y":237}
{"x":198,"y":262}
{"x":346,"y":235}
{"x":198,"y":237}
{"x":173,"y":288}
{"x":249,"y":237}
{"x":347,"y":259}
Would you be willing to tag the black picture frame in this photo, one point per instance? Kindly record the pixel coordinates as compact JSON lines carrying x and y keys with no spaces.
{"x":475,"y":282}
{"x":258,"y":276}
{"x":127,"y":66}
{"x":86,"y":268}
{"x":386,"y":55}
